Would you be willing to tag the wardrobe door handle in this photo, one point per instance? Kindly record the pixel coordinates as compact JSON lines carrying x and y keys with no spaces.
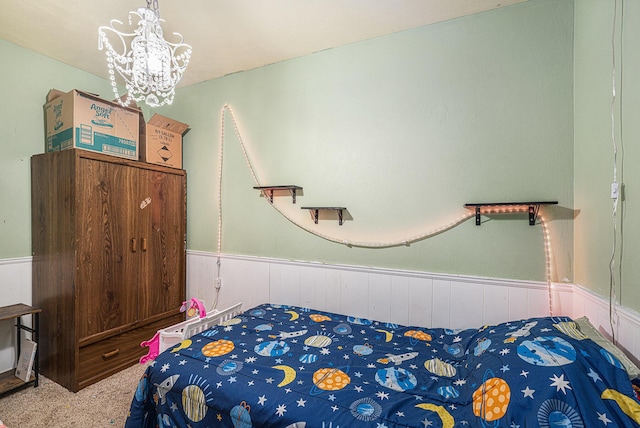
{"x":110,"y":354}
{"x":134,"y":245}
{"x":144,"y":244}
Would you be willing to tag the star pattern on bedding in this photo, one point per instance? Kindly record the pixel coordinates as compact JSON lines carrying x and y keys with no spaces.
{"x":294,"y":367}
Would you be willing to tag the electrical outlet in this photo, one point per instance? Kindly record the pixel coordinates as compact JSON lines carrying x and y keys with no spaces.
{"x":614,"y":190}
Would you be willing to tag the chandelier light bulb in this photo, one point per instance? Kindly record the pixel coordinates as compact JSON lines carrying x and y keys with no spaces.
{"x":146,"y":64}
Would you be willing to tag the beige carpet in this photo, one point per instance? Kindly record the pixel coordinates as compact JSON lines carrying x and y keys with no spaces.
{"x":104,"y":404}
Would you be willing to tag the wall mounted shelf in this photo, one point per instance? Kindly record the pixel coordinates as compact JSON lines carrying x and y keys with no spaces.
{"x":507,"y":207}
{"x":267,"y":191}
{"x":316,"y":210}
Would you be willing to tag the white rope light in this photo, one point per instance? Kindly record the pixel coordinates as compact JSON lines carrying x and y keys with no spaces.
{"x":370,"y":244}
{"x":547,"y":254}
{"x":364,"y":244}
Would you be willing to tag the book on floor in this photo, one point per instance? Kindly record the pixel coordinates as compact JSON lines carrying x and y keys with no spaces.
{"x":26,"y":359}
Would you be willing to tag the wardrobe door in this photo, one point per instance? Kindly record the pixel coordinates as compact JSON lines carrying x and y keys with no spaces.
{"x":162,"y":208}
{"x":107,"y":247}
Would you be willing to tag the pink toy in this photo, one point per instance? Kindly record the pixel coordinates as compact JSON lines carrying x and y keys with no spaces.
{"x":194,"y":307}
{"x":164,"y":339}
{"x":154,"y":348}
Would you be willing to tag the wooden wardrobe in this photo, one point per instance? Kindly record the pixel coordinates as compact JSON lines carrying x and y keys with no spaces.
{"x":109,"y":260}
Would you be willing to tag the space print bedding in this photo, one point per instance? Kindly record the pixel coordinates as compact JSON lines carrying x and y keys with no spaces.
{"x":293,"y":367}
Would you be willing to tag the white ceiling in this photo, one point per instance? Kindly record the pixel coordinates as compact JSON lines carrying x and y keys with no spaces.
{"x":227,"y":35}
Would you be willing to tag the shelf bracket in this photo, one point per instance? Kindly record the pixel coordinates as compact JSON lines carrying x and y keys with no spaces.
{"x":314,"y":215}
{"x":269,"y":193}
{"x":533,"y":214}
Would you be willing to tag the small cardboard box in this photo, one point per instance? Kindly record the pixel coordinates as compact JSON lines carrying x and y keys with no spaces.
{"x":161,"y":143}
{"x":83,"y":120}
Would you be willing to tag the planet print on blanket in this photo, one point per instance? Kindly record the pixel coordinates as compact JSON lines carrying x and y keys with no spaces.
{"x":240,"y":417}
{"x":491,"y":399}
{"x":398,"y":379}
{"x":365,"y":409}
{"x":363,"y":350}
{"x":342,"y":328}
{"x":555,"y":413}
{"x":608,"y":356}
{"x":258,"y":312}
{"x":218,"y":348}
{"x":229,"y":367}
{"x":330,"y":379}
{"x":448,"y":392}
{"x":273,"y":348}
{"x":440,"y":368}
{"x":308,"y":358}
{"x":547,"y":351}
{"x":318,"y":341}
{"x":194,"y":403}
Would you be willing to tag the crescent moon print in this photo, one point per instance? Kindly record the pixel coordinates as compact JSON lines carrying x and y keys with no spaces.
{"x":289,"y":375}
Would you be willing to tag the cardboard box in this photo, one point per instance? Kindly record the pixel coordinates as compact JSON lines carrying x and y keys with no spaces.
{"x":83,"y":120}
{"x":161,"y":143}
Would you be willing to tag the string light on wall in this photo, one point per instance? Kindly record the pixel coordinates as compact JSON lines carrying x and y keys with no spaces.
{"x":547,"y":254}
{"x":532,"y":208}
{"x":150,"y":66}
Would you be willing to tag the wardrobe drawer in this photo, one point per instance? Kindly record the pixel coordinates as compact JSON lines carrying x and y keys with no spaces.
{"x":106,"y":357}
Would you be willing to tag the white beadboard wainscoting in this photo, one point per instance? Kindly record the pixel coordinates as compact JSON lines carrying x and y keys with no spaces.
{"x":626,"y":322}
{"x":403,"y":297}
{"x":399,"y":296}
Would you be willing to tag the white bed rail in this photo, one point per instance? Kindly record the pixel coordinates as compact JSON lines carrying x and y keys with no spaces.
{"x":207,"y":322}
{"x":169,"y":337}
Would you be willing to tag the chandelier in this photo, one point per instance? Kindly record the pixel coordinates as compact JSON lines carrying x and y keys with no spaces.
{"x":150,"y":66}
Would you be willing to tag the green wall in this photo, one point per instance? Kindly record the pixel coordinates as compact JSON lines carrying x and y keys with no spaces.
{"x":25,"y":80}
{"x":594,"y":149}
{"x":402,"y":130}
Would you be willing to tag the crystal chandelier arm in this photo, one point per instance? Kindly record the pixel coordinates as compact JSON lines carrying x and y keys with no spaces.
{"x":120,"y":34}
{"x":104,"y":40}
{"x":150,"y":66}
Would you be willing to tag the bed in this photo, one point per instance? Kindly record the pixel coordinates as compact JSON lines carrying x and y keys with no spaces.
{"x":294,"y":367}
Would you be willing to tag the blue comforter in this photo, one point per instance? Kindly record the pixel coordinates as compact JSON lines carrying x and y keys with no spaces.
{"x":284,"y":366}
